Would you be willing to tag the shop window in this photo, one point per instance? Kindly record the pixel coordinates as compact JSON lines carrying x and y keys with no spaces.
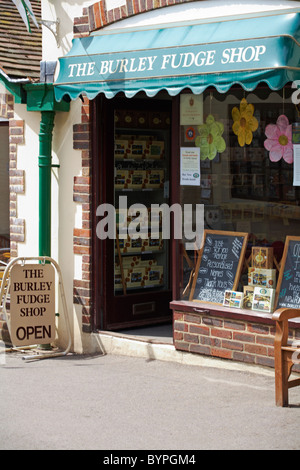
{"x":247,"y":181}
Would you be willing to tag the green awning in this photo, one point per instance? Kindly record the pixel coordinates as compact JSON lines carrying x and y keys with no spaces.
{"x":173,"y":57}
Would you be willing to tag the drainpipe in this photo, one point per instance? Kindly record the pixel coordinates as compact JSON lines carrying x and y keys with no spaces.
{"x":45,"y":163}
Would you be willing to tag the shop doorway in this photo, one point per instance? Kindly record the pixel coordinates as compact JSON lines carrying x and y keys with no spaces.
{"x":133,"y":177}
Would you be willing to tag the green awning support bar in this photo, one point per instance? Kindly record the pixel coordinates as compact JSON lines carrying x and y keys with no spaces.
{"x":45,"y":164}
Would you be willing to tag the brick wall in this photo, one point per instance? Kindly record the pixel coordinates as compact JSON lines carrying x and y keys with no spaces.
{"x":6,"y":106}
{"x":82,"y":236}
{"x":16,"y":184}
{"x":16,"y":176}
{"x":215,"y":335}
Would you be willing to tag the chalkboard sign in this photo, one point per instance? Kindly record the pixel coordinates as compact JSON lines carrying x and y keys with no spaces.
{"x":219,"y":265}
{"x":288,"y":285}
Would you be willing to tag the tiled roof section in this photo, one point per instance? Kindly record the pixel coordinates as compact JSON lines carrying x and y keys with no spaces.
{"x":20,"y":51}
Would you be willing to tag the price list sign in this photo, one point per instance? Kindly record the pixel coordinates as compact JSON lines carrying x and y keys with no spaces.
{"x":288,"y":286}
{"x":219,"y":266}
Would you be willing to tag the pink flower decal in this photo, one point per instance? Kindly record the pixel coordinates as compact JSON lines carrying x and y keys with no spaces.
{"x":279,"y":140}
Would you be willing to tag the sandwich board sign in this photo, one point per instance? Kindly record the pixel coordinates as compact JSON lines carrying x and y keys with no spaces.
{"x":32,"y":304}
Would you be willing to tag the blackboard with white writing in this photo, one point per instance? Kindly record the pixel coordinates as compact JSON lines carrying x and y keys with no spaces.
{"x":219,"y":265}
{"x":288,"y":287}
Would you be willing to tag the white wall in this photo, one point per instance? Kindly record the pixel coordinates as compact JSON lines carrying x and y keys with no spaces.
{"x":68,"y":212}
{"x":27,"y":159}
{"x":65,"y":12}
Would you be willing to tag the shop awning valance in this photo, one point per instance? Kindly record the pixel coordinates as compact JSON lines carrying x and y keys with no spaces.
{"x":173,"y":57}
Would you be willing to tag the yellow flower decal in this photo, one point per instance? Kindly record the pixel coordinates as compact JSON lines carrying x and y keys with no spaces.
{"x":244,"y":122}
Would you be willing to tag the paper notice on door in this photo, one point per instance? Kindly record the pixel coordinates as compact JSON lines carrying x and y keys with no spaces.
{"x":296,"y":181}
{"x":191,"y":109}
{"x":190,"y":166}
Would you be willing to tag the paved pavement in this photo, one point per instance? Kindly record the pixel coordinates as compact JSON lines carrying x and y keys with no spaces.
{"x":126,"y":403}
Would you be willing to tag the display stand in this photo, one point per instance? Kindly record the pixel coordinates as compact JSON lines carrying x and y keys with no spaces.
{"x":4,"y":293}
{"x":141,"y":176}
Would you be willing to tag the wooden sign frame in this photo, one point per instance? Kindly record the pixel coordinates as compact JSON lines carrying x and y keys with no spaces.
{"x":240,"y":263}
{"x":4,"y":293}
{"x":282,"y":265}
